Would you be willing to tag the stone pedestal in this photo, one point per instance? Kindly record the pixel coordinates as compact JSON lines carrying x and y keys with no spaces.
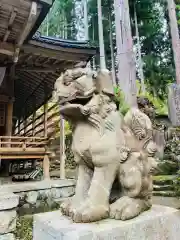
{"x":159,"y":223}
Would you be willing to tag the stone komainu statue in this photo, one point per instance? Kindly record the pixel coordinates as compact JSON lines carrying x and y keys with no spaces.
{"x":107,"y":148}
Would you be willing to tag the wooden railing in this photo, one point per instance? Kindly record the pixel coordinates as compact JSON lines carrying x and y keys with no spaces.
{"x":35,"y":133}
{"x":20,"y":147}
{"x":45,"y":123}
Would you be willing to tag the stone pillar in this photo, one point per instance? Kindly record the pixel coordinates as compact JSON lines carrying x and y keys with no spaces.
{"x":174,"y":104}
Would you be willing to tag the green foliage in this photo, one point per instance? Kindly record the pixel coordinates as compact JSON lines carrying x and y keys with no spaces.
{"x":61,"y":20}
{"x":161,"y":106}
{"x":123,"y":106}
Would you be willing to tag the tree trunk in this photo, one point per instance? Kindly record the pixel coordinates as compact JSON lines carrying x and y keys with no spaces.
{"x":86,"y":24}
{"x":94,"y":57}
{"x":140,"y":62}
{"x":86,"y":20}
{"x":112,"y":51}
{"x":125,"y":55}
{"x":175,"y":37}
{"x":101,"y":36}
{"x":131,"y":57}
{"x":47,"y":25}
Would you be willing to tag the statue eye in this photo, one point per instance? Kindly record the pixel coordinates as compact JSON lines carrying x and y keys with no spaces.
{"x":67,"y":83}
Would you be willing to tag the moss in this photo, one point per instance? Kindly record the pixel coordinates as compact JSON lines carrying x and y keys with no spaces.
{"x":164,"y":179}
{"x":24,"y":228}
{"x":25,"y":223}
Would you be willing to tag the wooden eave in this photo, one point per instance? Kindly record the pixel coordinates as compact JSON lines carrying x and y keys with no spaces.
{"x":38,"y":68}
{"x":17,"y":19}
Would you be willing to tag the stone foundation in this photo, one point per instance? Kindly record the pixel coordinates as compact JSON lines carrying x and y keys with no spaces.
{"x":39,"y":196}
{"x":8,"y":215}
{"x":158,"y":223}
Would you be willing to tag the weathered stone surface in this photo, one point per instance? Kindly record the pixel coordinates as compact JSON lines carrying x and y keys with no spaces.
{"x":7,"y":221}
{"x":159,"y":223}
{"x":174,"y":104}
{"x":55,"y":193}
{"x":31,"y":197}
{"x":39,"y":185}
{"x":66,"y":192}
{"x":8,"y":236}
{"x":8,"y":200}
{"x":166,"y":201}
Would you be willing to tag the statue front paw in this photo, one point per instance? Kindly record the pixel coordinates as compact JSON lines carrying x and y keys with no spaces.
{"x":127,"y":208}
{"x":67,"y":206}
{"x":89,"y":213}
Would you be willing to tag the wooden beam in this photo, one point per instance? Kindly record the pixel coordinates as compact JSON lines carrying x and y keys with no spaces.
{"x":82,"y":50}
{"x":17,"y":3}
{"x":11,"y":20}
{"x":36,"y":69}
{"x":29,"y":24}
{"x":7,"y":48}
{"x":58,"y":53}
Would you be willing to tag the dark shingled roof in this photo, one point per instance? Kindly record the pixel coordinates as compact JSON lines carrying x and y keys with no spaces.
{"x":63,"y":42}
{"x":33,"y":87}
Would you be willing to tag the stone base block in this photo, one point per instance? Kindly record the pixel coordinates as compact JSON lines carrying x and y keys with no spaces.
{"x":7,"y":221}
{"x":8,"y":200}
{"x":8,"y":236}
{"x":159,"y":223}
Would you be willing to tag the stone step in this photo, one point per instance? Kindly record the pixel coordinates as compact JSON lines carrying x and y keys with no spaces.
{"x":165,"y":193}
{"x":163,"y":187}
{"x":164,"y":179}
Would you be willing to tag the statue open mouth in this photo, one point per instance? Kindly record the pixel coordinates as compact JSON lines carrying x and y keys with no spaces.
{"x":71,"y":108}
{"x":82,"y":100}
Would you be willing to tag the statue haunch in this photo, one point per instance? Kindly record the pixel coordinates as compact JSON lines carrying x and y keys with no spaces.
{"x":113,"y":154}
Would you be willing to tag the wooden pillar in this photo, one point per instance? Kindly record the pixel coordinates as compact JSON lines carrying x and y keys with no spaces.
{"x":33,"y":123}
{"x":45,"y":119}
{"x":62,"y":149}
{"x":19,"y":126}
{"x":45,"y":110}
{"x":46,"y":166}
{"x":9,"y":116}
{"x":25,"y":125}
{"x":34,"y":119}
